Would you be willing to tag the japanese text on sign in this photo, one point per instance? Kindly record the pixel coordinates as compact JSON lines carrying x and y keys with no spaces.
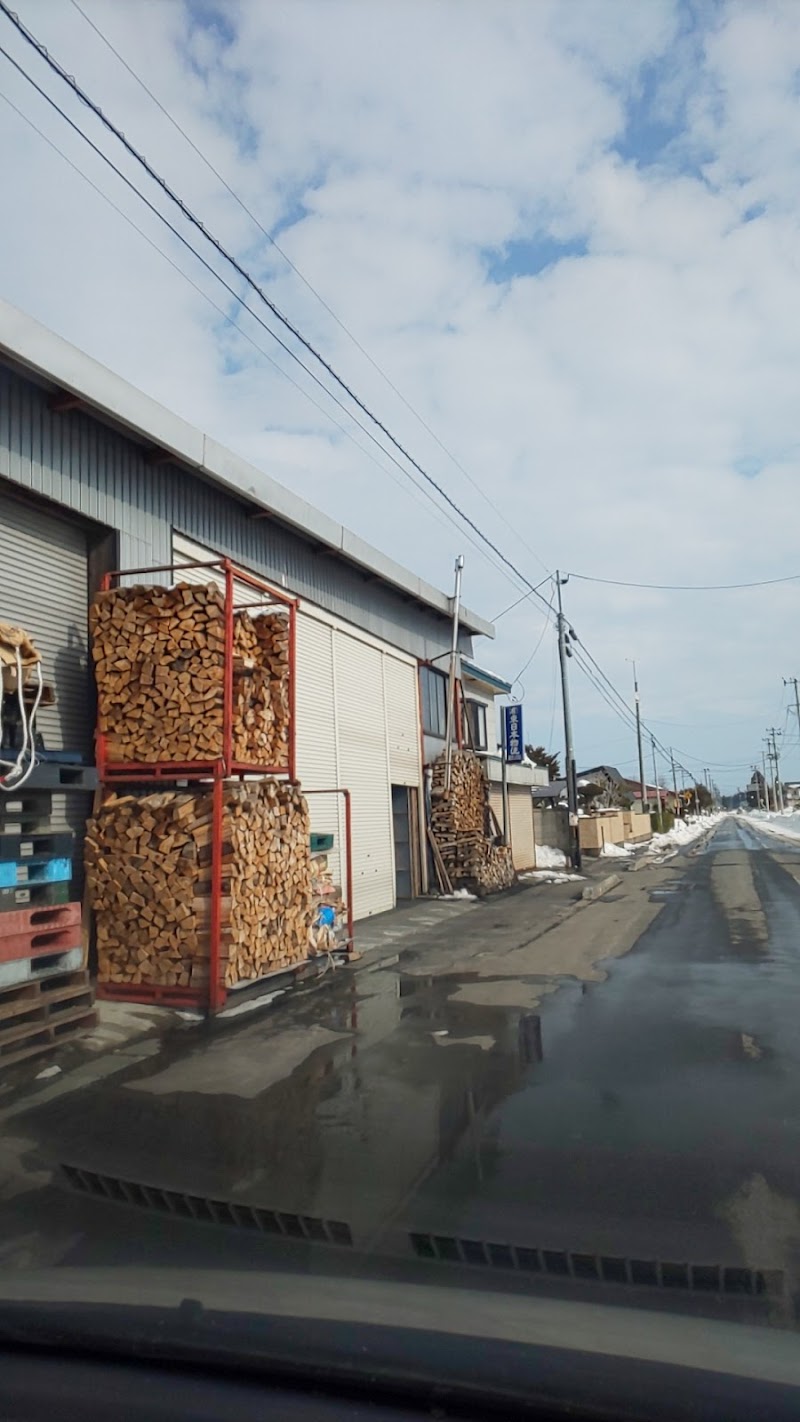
{"x":514,"y":739}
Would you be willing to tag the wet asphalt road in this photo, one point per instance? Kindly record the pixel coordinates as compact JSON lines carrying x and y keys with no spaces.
{"x":653,"y":1116}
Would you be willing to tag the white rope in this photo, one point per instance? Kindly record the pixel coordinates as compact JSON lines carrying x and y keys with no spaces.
{"x":16,"y":771}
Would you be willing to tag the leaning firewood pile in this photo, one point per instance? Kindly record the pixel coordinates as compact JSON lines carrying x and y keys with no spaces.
{"x":465,"y":843}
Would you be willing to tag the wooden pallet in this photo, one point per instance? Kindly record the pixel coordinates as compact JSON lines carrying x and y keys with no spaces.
{"x":38,"y":1016}
{"x":33,"y":896}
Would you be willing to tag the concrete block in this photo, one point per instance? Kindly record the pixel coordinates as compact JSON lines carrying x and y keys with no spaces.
{"x":603,"y":886}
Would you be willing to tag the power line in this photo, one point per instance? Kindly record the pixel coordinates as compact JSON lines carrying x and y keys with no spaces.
{"x":687,"y":587}
{"x":545,"y":625}
{"x":439,"y":514}
{"x":279,"y":316}
{"x":523,"y":598}
{"x":601,"y":691}
{"x":620,"y":707}
{"x":242,"y":272}
{"x":238,"y":298}
{"x":277,"y":247}
{"x":555,"y":693}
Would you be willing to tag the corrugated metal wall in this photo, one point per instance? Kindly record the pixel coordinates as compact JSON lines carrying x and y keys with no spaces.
{"x":103,"y":474}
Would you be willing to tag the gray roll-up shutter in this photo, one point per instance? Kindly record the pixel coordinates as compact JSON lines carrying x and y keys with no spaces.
{"x":44,"y":588}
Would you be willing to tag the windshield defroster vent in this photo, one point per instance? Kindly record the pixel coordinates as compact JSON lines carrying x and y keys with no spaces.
{"x":604,"y":1268}
{"x":205,"y":1210}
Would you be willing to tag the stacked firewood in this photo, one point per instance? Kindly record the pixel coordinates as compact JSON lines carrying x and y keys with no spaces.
{"x":476,"y":862}
{"x":148,"y":865}
{"x":464,"y":806}
{"x":465,"y":839}
{"x":158,"y":661}
{"x":261,"y":689}
{"x":159,"y":667}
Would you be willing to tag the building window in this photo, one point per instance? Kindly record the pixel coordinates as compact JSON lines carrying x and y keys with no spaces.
{"x":433,"y":685}
{"x":476,"y":723}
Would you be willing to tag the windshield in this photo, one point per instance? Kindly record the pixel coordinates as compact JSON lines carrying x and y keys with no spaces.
{"x":400,"y":766}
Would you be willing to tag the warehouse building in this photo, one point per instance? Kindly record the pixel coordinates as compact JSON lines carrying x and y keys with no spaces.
{"x":96,"y":476}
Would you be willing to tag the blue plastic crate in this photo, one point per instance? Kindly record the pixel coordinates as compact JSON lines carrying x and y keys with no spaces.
{"x":44,"y":871}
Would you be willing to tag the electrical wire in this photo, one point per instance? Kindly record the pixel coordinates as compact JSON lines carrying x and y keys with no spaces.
{"x":523,"y":598}
{"x":617,"y":704}
{"x":545,"y":624}
{"x":601,"y":691}
{"x":232,"y":292}
{"x":687,"y":587}
{"x":239,"y":269}
{"x":298,"y":273}
{"x":226,"y":316}
{"x":555,"y":694}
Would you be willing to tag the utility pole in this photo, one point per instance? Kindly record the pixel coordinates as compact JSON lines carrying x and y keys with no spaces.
{"x":504,"y":771}
{"x":774,"y":757}
{"x":766,"y":782}
{"x":655,"y":782}
{"x":569,"y":753}
{"x":792,"y":681}
{"x":674,"y":778}
{"x":451,"y":680}
{"x":639,"y":736}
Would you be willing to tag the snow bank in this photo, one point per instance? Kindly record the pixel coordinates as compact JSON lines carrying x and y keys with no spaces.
{"x":547,"y":858}
{"x":685,"y":832}
{"x":787,"y":825}
{"x":615,"y":851}
{"x":459,"y":894}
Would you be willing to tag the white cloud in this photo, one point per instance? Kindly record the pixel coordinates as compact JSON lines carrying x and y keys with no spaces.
{"x":630,"y":406}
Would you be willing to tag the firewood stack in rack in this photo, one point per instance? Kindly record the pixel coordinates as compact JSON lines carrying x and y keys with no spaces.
{"x":465,"y":843}
{"x":159,"y":659}
{"x":148,"y":865}
{"x":199,"y":879}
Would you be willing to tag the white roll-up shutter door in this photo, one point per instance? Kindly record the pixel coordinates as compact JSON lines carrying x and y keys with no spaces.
{"x":402,"y":721}
{"x":315,"y":720}
{"x":496,"y":802}
{"x":364,"y":770}
{"x":520,"y":807}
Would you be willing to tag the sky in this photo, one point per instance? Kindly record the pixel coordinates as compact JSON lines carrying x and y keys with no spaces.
{"x":564,"y":236}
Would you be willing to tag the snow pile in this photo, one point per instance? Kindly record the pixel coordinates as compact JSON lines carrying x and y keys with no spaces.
{"x":459,"y":894}
{"x":548,"y":858}
{"x":616,"y":851}
{"x":551,"y":876}
{"x":684,"y":832}
{"x":787,"y":825}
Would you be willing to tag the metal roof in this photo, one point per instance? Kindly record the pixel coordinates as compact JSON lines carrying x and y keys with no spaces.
{"x":29,"y":345}
{"x":487,"y":678}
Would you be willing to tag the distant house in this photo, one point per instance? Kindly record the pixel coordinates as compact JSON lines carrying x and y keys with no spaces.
{"x":652,"y":795}
{"x":612,"y":787}
{"x":554,"y":793}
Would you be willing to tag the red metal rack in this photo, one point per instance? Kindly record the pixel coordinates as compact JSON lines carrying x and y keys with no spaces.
{"x":118,"y":770}
{"x":213,"y":995}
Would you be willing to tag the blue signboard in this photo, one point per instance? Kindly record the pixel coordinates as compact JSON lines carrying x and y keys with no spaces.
{"x":513,"y":738}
